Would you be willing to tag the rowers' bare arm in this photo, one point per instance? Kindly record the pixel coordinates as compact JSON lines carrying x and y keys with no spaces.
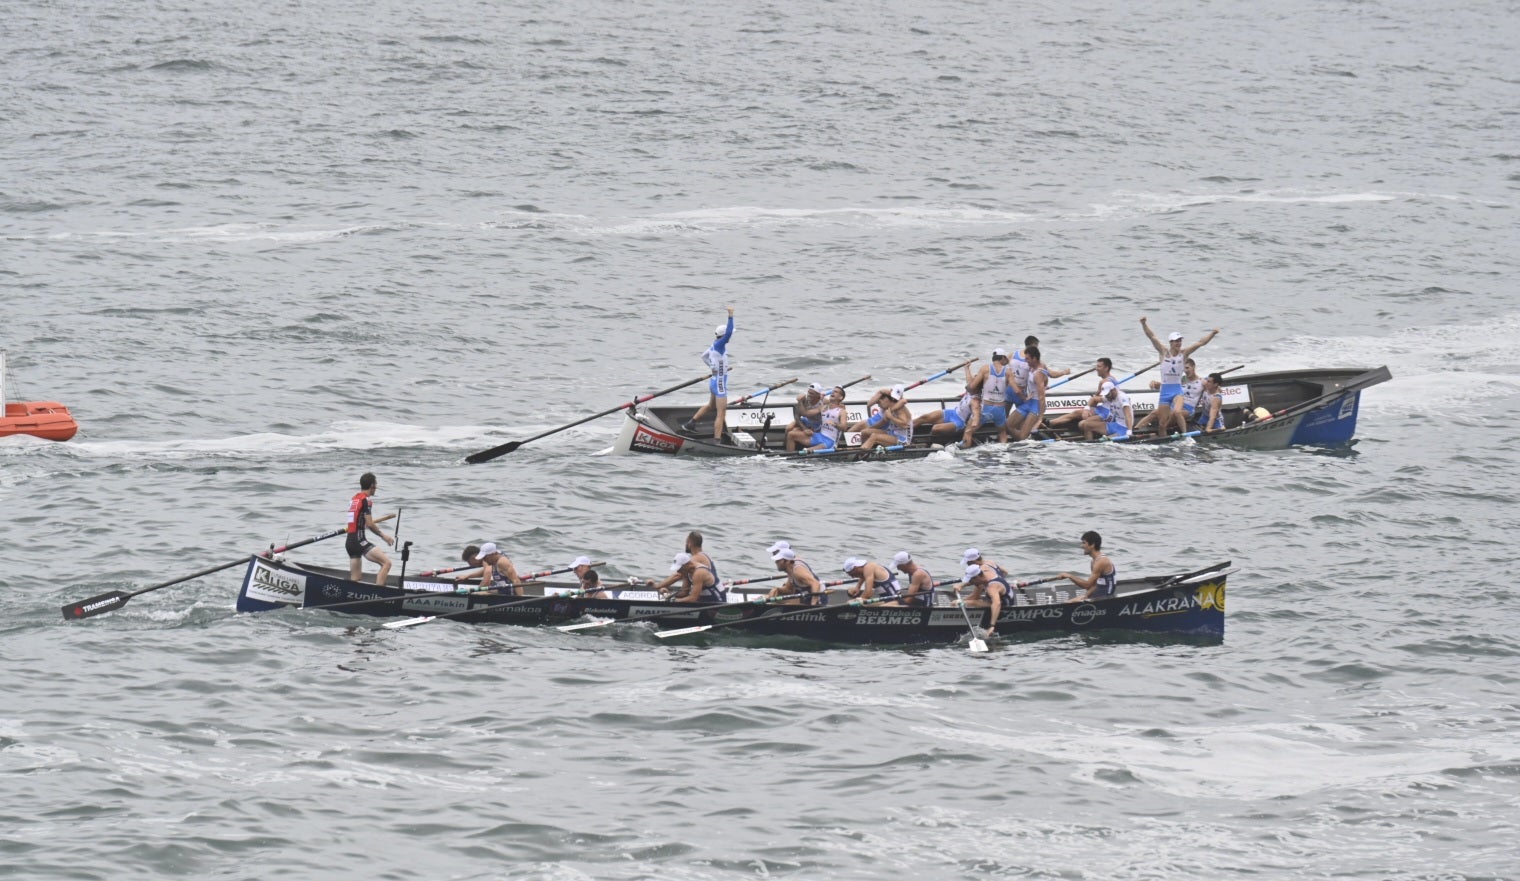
{"x":1208,"y":338}
{"x":1160,"y":347}
{"x":699,"y":580}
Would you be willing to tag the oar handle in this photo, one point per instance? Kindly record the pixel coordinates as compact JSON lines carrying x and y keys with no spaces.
{"x":756,"y":579}
{"x":316,"y":538}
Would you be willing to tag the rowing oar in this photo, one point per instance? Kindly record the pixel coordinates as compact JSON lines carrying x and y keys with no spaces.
{"x":765,"y":391}
{"x":667,"y":634}
{"x":603,"y":622}
{"x":110,"y":602}
{"x":1120,"y":382}
{"x":1070,"y":378}
{"x":447,"y":570}
{"x":946,"y":372}
{"x":412,"y":622}
{"x":855,"y":381}
{"x":509,"y":446}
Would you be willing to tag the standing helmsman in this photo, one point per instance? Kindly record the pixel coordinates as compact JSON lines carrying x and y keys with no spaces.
{"x":716,"y":359}
{"x":361,"y":521}
{"x":1100,"y":582}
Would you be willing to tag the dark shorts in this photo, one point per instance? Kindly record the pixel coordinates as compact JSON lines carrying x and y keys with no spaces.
{"x":357,"y":546}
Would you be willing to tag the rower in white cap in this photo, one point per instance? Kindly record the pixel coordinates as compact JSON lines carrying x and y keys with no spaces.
{"x":800,"y":581}
{"x":700,"y":562}
{"x":1112,"y":414}
{"x":920,"y":591}
{"x":872,"y":579}
{"x":497,"y":571}
{"x":699,"y":583}
{"x":716,"y":359}
{"x":989,"y":587}
{"x":591,"y":582}
{"x":1173,"y":365}
{"x":895,"y":426}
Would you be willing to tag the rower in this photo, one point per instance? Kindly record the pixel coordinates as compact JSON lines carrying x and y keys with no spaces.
{"x":1099,"y":583}
{"x":920,"y":591}
{"x":896,"y":425}
{"x":1104,"y":369}
{"x":591,"y":582}
{"x":800,"y":582}
{"x":952,"y":421}
{"x":1172,"y":357}
{"x":1033,"y":340}
{"x":989,"y":588}
{"x":993,"y":405}
{"x":1031,"y":412}
{"x":361,"y":521}
{"x":808,"y":418}
{"x":972,"y":555}
{"x":499,"y":574}
{"x":1209,"y":415}
{"x":872,"y":580}
{"x":830,"y":435}
{"x":699,"y":583}
{"x":716,"y":359}
{"x":1192,"y":394}
{"x":699,"y":557}
{"x":1112,"y":414}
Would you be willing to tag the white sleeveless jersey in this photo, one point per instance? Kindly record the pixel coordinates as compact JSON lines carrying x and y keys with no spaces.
{"x":995,"y":389}
{"x":963,"y":409}
{"x":1020,"y":369}
{"x":1172,"y":368}
{"x":1192,"y":391}
{"x":1030,"y":391}
{"x":831,"y":419}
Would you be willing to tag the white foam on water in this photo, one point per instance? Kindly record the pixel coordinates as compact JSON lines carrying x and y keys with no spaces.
{"x":343,"y":436}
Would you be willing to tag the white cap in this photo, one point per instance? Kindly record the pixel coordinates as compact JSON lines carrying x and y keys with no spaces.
{"x":488,"y":549}
{"x":852,"y":564}
{"x":1000,"y":352}
{"x":898,"y":392}
{"x":785,"y":554}
{"x":720,"y":330}
{"x":1174,"y":337}
{"x":901,"y":558}
{"x":1107,"y":387}
{"x":816,"y":387}
{"x":581,"y":561}
{"x":681,"y":560}
{"x":778,"y":546}
{"x":972,"y":571}
{"x":971,"y":555}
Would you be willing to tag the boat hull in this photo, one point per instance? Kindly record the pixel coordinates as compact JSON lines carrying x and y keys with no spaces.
{"x":48,"y":420}
{"x":1190,"y":604}
{"x":1309,"y":408}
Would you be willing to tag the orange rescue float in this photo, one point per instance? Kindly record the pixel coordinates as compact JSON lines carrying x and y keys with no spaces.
{"x":49,"y":420}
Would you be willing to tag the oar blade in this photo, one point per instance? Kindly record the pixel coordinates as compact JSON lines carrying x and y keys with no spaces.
{"x":492,"y":453}
{"x":684,"y":631}
{"x":106,"y":602}
{"x":586,"y":625}
{"x":409,"y":622}
{"x":977,"y":645}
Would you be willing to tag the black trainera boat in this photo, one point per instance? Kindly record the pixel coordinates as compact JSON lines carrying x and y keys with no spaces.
{"x":1185,"y":603}
{"x":1315,"y":407}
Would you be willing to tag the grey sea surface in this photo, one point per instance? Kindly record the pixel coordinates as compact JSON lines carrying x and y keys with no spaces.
{"x":259,"y":249}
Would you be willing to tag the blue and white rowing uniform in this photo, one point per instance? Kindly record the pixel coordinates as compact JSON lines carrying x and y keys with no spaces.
{"x":1172,"y":370}
{"x":1113,"y":413}
{"x":1032,"y":397}
{"x":1019,"y":381}
{"x":1106,"y":584}
{"x":811,"y":423}
{"x":716,"y":359}
{"x":1206,"y":404}
{"x":962,"y":412}
{"x":799,"y":589}
{"x":922,"y":599}
{"x":1192,"y":393}
{"x":904,"y":434}
{"x":995,"y":397}
{"x":828,"y":433}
